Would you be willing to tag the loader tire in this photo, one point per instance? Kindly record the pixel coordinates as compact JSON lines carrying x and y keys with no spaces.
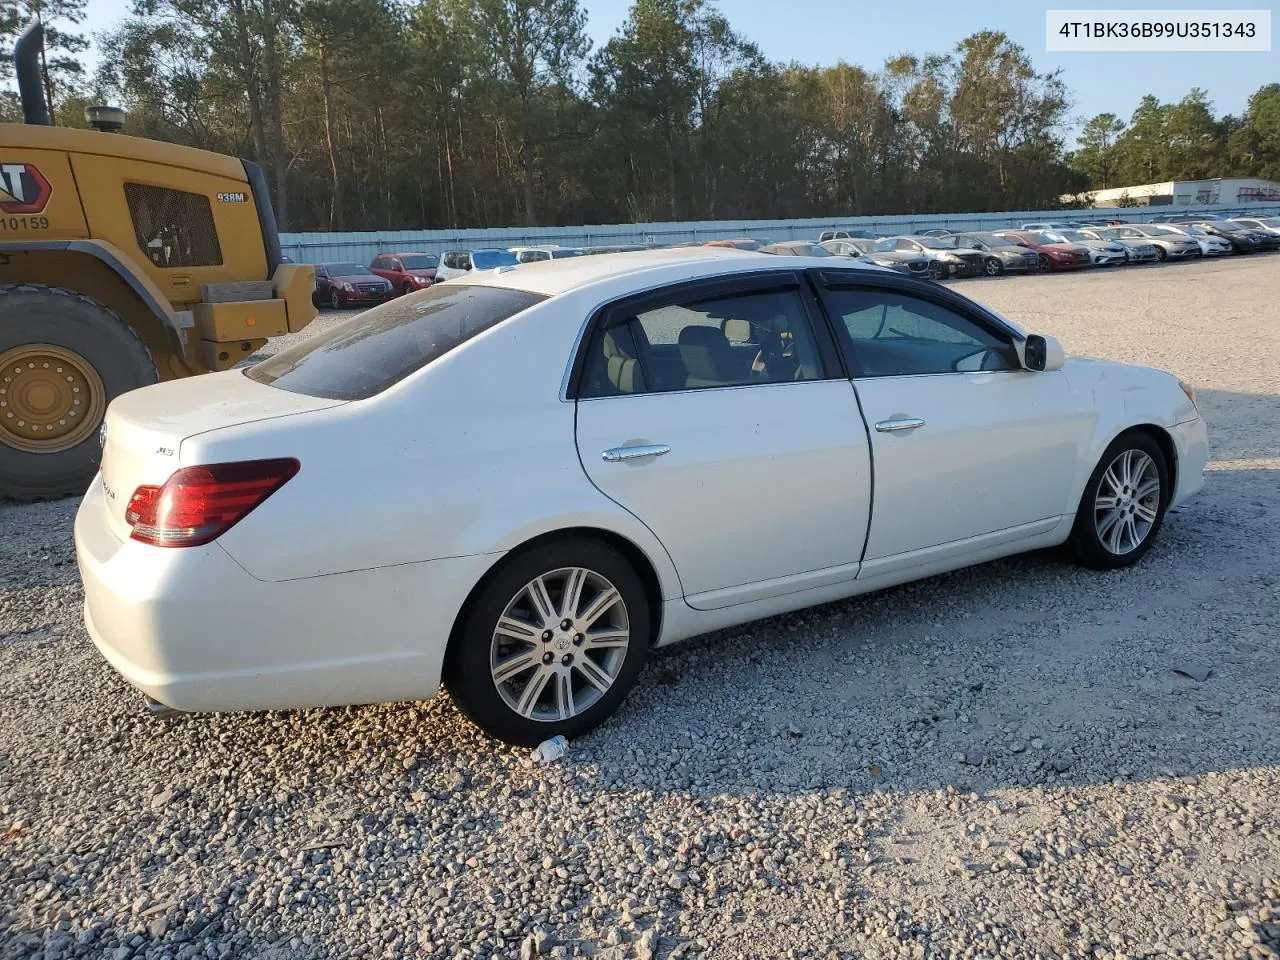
{"x":63,"y":358}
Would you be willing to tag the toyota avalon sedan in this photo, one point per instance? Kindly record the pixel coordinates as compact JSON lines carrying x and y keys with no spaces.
{"x":518,"y":483}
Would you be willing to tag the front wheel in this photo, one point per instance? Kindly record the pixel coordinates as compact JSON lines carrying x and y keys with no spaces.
{"x":335,"y":299}
{"x":1044,"y":265}
{"x":551,"y":644}
{"x":993,"y":267}
{"x":938,"y":270}
{"x":1162,"y":254}
{"x":1123,"y":504}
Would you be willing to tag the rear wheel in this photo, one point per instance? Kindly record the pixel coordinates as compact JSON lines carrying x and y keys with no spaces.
{"x":63,"y":358}
{"x":551,"y":644}
{"x":1123,"y":504}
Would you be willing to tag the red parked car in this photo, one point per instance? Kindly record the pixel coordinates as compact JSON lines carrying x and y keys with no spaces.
{"x":406,"y":272}
{"x":1053,"y":256}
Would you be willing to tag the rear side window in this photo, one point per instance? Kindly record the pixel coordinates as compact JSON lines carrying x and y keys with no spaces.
{"x":382,"y":346}
{"x":174,"y":228}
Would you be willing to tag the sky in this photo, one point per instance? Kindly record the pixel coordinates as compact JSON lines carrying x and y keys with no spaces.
{"x":867,"y":32}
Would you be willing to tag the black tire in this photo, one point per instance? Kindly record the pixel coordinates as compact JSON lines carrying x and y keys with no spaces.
{"x":408,"y":289}
{"x":1044,"y":265}
{"x":467,"y":670}
{"x":37,"y":314}
{"x":335,"y":299}
{"x":992,"y":267}
{"x":938,"y":270}
{"x":1085,"y":543}
{"x":1162,"y":254}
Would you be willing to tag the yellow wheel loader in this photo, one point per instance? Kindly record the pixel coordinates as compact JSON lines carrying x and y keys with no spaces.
{"x":123,"y":261}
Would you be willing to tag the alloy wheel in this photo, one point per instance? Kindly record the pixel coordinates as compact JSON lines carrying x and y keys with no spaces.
{"x":560,"y":644}
{"x":1127,"y":503}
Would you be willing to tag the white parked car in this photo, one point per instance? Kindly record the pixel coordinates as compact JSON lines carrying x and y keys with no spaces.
{"x":520,"y":483}
{"x":1210,"y":245}
{"x":459,"y":263}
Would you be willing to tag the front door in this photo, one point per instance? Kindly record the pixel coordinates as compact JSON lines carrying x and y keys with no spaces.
{"x":967,"y":445}
{"x":715,"y":413}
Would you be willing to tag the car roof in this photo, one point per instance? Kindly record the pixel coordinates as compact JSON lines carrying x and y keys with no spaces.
{"x":554,"y":277}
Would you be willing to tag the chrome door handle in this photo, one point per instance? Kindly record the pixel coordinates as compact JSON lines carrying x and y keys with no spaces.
{"x":893,"y":426}
{"x":638,"y":452}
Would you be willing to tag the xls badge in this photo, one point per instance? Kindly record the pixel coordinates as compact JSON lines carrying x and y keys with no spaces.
{"x":23,"y":188}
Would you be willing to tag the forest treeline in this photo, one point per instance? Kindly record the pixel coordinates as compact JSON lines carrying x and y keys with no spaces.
{"x":383,"y":114}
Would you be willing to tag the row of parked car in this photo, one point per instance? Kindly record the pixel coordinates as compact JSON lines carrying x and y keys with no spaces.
{"x":1050,"y":245}
{"x":937,"y":254}
{"x":395,"y":274}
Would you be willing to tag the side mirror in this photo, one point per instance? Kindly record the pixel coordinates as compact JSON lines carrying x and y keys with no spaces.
{"x":1042,"y":353}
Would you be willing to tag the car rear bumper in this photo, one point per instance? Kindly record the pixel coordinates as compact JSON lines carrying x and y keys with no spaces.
{"x":193,"y":630}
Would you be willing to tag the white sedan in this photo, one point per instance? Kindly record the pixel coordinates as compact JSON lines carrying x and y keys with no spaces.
{"x":519,"y":482}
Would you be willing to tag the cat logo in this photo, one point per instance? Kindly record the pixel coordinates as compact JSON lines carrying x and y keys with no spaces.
{"x":23,"y":188}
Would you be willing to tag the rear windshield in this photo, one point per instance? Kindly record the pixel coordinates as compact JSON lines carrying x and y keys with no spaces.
{"x":488,"y":259}
{"x":365,"y":355}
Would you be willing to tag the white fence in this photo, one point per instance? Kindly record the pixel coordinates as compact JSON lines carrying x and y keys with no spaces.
{"x":363,"y":247}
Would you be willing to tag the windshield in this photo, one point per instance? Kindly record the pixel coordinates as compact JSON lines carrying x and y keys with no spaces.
{"x":1195,"y":230}
{"x":568,"y":252}
{"x":1072,"y":236}
{"x":991,"y":240}
{"x":885,"y":246}
{"x":382,"y":346}
{"x":936,"y":243}
{"x":346,"y":270}
{"x":419,"y":261}
{"x":488,"y":259}
{"x":1042,"y":238}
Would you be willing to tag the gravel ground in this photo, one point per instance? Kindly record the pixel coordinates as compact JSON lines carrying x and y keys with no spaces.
{"x":1004,"y":761}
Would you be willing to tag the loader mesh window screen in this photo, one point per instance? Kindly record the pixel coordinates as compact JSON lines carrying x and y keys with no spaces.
{"x":174,"y":228}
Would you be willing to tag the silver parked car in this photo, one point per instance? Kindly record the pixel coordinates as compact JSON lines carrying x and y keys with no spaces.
{"x":1261,"y":224}
{"x":1140,"y":250}
{"x":1168,"y":243}
{"x":1210,"y":244}
{"x":879,"y":254}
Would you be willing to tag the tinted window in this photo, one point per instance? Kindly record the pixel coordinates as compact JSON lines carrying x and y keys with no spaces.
{"x":488,"y":259}
{"x":382,"y":346}
{"x":891,"y":334}
{"x":560,"y":254}
{"x":726,"y":341}
{"x":174,"y":228}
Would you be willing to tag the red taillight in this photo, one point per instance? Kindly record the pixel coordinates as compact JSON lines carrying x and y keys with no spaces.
{"x":198,"y":504}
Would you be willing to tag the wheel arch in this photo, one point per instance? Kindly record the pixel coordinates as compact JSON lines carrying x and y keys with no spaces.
{"x":1164,"y":440}
{"x":634,"y":555}
{"x":98,"y":270}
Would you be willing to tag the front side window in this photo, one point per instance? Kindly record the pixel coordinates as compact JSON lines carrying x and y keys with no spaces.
{"x":380,"y":347}
{"x":174,"y":228}
{"x":732,"y":340}
{"x":889,"y":334}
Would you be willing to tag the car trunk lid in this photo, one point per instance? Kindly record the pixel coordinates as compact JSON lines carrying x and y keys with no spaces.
{"x":145,"y":428}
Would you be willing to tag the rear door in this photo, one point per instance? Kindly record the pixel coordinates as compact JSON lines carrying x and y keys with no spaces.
{"x":716,"y":413}
{"x":968,"y":446}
